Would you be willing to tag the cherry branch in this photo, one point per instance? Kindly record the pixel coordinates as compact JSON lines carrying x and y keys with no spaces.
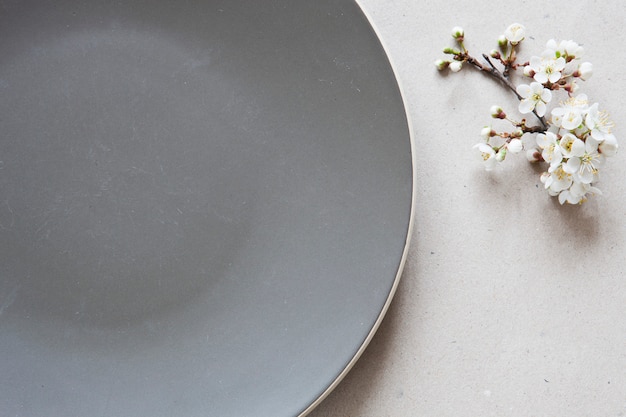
{"x":498,"y":75}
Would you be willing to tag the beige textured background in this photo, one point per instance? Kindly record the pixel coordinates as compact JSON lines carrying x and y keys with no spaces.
{"x":509,"y":305}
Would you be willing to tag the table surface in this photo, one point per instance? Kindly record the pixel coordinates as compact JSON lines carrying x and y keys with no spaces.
{"x":509,"y":304}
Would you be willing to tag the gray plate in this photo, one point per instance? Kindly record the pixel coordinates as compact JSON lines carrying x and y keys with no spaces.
{"x":204,"y":205}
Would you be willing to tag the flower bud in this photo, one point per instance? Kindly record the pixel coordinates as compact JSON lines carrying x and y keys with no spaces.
{"x":497,"y":112}
{"x":458,"y":33}
{"x":528,"y":71}
{"x":487,"y":132}
{"x":571,"y":88}
{"x":495,"y":54}
{"x":442,"y":64}
{"x":534,"y":155}
{"x":455,"y":66}
{"x":585,"y":70}
{"x":451,"y":51}
{"x":515,"y":146}
{"x":501,"y":154}
{"x":503,"y":44}
{"x":608,"y":147}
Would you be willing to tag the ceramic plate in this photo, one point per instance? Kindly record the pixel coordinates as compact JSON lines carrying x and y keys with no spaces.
{"x":204,"y":205}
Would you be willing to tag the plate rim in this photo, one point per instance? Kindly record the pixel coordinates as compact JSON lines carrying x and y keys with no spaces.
{"x":410,"y":227}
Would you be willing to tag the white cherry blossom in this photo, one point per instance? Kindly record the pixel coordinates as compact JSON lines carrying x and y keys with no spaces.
{"x":546,"y":69}
{"x":567,"y":49}
{"x":534,"y":97}
{"x":569,"y":115}
{"x":577,"y":193}
{"x":515,"y":33}
{"x":585,"y":167}
{"x":573,"y":142}
{"x":598,"y":122}
{"x":571,"y":146}
{"x":550,"y":149}
{"x":557,"y":179}
{"x":488,"y":155}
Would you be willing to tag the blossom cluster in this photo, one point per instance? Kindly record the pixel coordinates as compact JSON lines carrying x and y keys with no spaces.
{"x":558,"y":67}
{"x":575,"y":147}
{"x":573,"y":138}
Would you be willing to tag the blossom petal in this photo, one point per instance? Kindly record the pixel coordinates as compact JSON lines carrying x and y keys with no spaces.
{"x":540,"y":108}
{"x":578,"y":148}
{"x":524,"y":90}
{"x":572,"y":199}
{"x":545,"y":139}
{"x":554,"y":76}
{"x":559,"y":64}
{"x":552,"y":45}
{"x":586,"y":176}
{"x":579,"y":189}
{"x":555,"y":157}
{"x":591,"y":118}
{"x":490,"y":164}
{"x":586,"y":70}
{"x":526,"y":106}
{"x":541,"y":77}
{"x":571,"y":120}
{"x":591,"y":145}
{"x":609,"y":146}
{"x":572,"y":165}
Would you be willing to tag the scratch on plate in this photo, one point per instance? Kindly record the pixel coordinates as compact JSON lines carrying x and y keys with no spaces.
{"x":9,"y":299}
{"x":6,"y":202}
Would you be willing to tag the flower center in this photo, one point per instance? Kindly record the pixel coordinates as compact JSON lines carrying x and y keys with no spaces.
{"x":587,"y":163}
{"x":604,"y":122}
{"x":568,"y":146}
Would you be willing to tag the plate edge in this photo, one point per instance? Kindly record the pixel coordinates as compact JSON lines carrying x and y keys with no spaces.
{"x":409,"y":234}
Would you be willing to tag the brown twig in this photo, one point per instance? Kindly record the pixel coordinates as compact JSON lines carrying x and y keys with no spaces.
{"x":498,"y":75}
